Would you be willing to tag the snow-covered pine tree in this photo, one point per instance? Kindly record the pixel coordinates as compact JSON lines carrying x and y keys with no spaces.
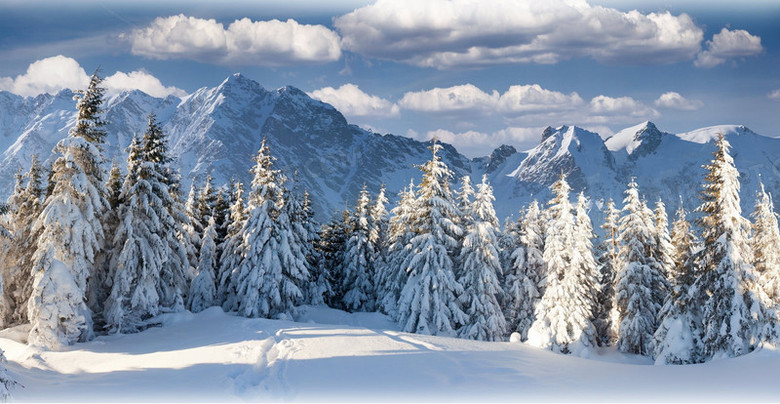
{"x":587,"y":270}
{"x":766,"y":247}
{"x":479,"y":274}
{"x":111,"y":224}
{"x":206,"y":203}
{"x":24,"y":205}
{"x":359,"y":271}
{"x":319,"y":282}
{"x":273,"y":263}
{"x":232,"y":252}
{"x":174,"y":282}
{"x":663,"y":249}
{"x":564,"y":314}
{"x":304,"y":232}
{"x":399,"y":235}
{"x":192,"y":231}
{"x":428,"y":301}
{"x":464,"y":200}
{"x":640,"y":277}
{"x":70,"y":229}
{"x":524,"y":272}
{"x":222,"y":217}
{"x":607,"y":318}
{"x":378,"y":236}
{"x":677,"y":334}
{"x":727,"y":294}
{"x":203,"y":289}
{"x":333,"y":238}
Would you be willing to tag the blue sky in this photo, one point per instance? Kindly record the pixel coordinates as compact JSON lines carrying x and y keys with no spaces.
{"x":474,"y":73}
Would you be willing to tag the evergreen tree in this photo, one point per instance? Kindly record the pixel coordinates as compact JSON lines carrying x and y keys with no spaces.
{"x":359,"y":271}
{"x":663,"y":244}
{"x":273,"y":263}
{"x":203,"y":289}
{"x":525,"y":273}
{"x":331,"y":250}
{"x":70,"y":229}
{"x":607,"y":318}
{"x":400,"y":235}
{"x":24,"y":205}
{"x":428,"y":302}
{"x":677,"y":334}
{"x":587,"y":271}
{"x":481,"y":265}
{"x":232,"y":252}
{"x":305,"y":235}
{"x":464,"y":200}
{"x":727,"y":295}
{"x":222,"y":217}
{"x":378,"y":236}
{"x":110,"y":227}
{"x":207,"y":203}
{"x":766,"y":247}
{"x":192,"y":231}
{"x":563,"y":316}
{"x":319,"y":281}
{"x":640,"y":277}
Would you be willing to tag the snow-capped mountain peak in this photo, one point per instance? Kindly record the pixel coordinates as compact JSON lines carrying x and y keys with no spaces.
{"x":642,"y":139}
{"x":705,"y":135}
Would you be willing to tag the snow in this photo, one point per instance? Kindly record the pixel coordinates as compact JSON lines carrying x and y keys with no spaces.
{"x":705,"y":135}
{"x":214,"y":356}
{"x":626,"y":138}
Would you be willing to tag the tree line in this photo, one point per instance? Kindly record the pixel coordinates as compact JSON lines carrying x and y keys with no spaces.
{"x":88,"y":250}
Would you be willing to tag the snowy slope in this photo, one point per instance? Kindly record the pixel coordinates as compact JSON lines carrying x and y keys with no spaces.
{"x":336,"y":356}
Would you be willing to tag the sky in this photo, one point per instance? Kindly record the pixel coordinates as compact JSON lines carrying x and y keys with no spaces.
{"x":476,"y":74}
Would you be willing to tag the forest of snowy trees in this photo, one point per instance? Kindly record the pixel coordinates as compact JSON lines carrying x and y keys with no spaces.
{"x":87,"y":250}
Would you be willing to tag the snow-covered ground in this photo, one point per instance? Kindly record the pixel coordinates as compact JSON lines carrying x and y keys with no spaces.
{"x":330,"y":355}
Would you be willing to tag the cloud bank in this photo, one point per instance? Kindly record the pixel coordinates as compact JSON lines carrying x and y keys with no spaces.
{"x":727,"y":45}
{"x":243,"y":42}
{"x":351,"y":101}
{"x":50,"y":75}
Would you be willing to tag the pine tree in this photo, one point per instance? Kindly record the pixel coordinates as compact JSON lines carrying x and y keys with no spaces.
{"x":203,"y":289}
{"x":104,"y":280}
{"x":525,"y":273}
{"x":191,"y":231}
{"x":607,"y":319}
{"x":222,"y":217}
{"x":587,"y":271}
{"x":663,"y":245}
{"x":206,"y":204}
{"x":232,"y":252}
{"x":318,"y":287}
{"x":359,"y":271}
{"x":331,"y":250}
{"x":639,"y":279}
{"x":305,"y":235}
{"x":70,"y":230}
{"x":464,"y":200}
{"x":766,"y":247}
{"x":727,"y":294}
{"x":378,"y":236}
{"x":428,"y":302}
{"x":481,"y":266}
{"x":677,"y":334}
{"x":399,"y":236}
{"x":563,"y":316}
{"x":24,"y":205}
{"x":273,"y":263}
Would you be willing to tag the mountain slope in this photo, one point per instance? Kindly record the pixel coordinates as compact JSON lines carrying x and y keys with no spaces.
{"x":218,"y":130}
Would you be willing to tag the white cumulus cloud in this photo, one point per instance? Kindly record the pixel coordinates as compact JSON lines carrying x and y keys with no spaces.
{"x":603,"y":109}
{"x":466,"y":97}
{"x":351,"y":101}
{"x":775,"y":95}
{"x":673,"y":100}
{"x":50,"y":75}
{"x":726,"y":45}
{"x":453,"y":33}
{"x":140,"y":80}
{"x":534,"y":98}
{"x":243,"y":42}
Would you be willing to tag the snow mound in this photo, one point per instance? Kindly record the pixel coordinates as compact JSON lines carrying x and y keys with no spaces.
{"x":704,"y":135}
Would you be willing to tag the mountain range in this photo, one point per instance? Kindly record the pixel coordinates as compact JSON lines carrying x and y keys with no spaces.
{"x":216,"y":131}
